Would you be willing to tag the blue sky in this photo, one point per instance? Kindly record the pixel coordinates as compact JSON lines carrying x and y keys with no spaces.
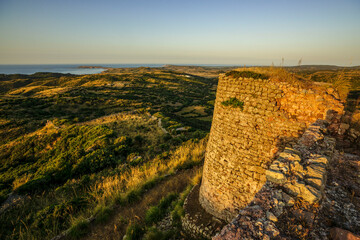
{"x":231,"y":32}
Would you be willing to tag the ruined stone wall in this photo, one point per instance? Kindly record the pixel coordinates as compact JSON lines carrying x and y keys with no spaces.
{"x":298,"y":172}
{"x":243,"y":142}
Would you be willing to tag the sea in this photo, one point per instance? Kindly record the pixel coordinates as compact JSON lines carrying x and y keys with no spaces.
{"x":66,"y":68}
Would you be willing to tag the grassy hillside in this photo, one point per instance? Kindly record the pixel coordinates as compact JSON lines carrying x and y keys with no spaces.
{"x":66,"y":141}
{"x":77,"y":150}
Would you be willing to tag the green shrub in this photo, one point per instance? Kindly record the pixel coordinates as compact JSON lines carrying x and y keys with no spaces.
{"x":103,"y":213}
{"x":234,"y":102}
{"x":4,"y":195}
{"x":154,"y":234}
{"x":166,"y":201}
{"x":134,"y":232}
{"x":199,"y":134}
{"x":246,"y":74}
{"x":79,"y":229}
{"x":153,"y":215}
{"x":178,"y":210}
{"x":151,"y":183}
{"x":58,"y":214}
{"x":177,"y":213}
{"x":156,"y":213}
{"x":133,"y":195}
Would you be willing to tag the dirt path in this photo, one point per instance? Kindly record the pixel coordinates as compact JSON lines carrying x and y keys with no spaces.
{"x":161,"y":126}
{"x":115,"y":227}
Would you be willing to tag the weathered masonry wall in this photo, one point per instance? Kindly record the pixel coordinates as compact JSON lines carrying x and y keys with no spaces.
{"x":298,"y":172}
{"x":243,"y":143}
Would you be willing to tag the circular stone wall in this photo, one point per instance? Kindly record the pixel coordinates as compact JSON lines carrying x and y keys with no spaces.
{"x":243,"y":141}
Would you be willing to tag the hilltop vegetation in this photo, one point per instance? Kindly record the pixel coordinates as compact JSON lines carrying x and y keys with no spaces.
{"x":63,"y":136}
{"x":80,"y":147}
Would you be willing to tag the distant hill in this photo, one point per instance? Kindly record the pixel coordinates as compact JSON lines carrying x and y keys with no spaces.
{"x":322,"y":67}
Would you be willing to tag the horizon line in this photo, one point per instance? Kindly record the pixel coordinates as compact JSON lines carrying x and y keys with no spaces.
{"x":178,"y":64}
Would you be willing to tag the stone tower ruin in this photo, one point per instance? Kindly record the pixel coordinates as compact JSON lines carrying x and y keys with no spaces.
{"x":244,"y":140}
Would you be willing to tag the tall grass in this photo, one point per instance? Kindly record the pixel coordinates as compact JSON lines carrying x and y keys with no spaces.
{"x":190,"y":153}
{"x":126,"y":184}
{"x":342,"y":85}
{"x":172,"y":203}
{"x":278,"y":74}
{"x":131,"y":184}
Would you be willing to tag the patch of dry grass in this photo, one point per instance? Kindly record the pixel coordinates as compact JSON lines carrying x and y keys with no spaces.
{"x":341,"y":82}
{"x":115,"y":227}
{"x":117,"y":117}
{"x":52,"y":91}
{"x":21,"y":180}
{"x":4,"y":121}
{"x":194,"y":110}
{"x":24,"y":90}
{"x":279,"y":74}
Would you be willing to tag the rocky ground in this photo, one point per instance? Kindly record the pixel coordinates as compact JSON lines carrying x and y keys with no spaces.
{"x":341,"y":204}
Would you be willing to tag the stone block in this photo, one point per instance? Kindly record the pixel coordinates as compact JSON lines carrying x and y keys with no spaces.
{"x":271,"y":217}
{"x":293,"y":189}
{"x":310,"y":194}
{"x":289,"y":201}
{"x":290,"y":156}
{"x":316,"y":183}
{"x":320,"y":160}
{"x":315,"y":171}
{"x":296,"y":167}
{"x":275,"y":176}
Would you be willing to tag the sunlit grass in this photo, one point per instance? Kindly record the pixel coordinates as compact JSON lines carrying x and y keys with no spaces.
{"x":108,"y":189}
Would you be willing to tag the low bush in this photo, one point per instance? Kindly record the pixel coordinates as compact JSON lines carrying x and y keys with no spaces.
{"x":103,"y":213}
{"x":133,"y":195}
{"x":154,"y":234}
{"x":79,"y":228}
{"x":156,"y":213}
{"x":153,"y":215}
{"x":234,"y":102}
{"x":134,"y":232}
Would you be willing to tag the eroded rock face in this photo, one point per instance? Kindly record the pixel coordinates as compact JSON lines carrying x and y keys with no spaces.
{"x":243,"y":142}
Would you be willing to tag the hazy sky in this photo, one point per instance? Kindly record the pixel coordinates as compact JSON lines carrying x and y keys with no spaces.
{"x":180,"y":31}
